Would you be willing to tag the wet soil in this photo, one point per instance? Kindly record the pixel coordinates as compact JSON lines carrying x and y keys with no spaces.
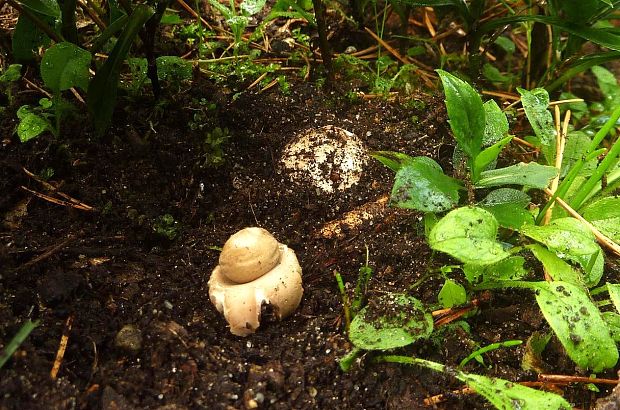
{"x":87,"y":275}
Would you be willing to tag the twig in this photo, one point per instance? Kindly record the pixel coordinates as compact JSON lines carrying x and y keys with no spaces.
{"x":36,"y":87}
{"x":565,"y":379}
{"x":560,"y":142}
{"x":50,"y":187}
{"x":505,"y":96}
{"x":62,"y":347}
{"x":93,"y":15}
{"x":51,"y":251}
{"x":603,"y":240}
{"x":82,"y":207}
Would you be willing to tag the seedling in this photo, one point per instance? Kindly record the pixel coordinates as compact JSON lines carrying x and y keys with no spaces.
{"x":17,"y":340}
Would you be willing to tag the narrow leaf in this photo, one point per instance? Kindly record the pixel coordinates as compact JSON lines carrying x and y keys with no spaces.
{"x":531,"y":174}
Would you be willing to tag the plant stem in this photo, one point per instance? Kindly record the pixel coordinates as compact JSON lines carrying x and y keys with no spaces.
{"x":326,"y":54}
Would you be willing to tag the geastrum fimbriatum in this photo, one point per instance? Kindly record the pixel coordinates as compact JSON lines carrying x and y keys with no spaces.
{"x":254,"y":269}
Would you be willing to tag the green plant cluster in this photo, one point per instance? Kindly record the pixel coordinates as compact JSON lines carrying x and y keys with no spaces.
{"x":464,"y":218}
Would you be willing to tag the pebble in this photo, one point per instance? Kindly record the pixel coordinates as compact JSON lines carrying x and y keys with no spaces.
{"x":129,"y":338}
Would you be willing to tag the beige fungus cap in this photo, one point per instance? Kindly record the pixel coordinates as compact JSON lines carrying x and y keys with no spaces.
{"x":255,"y":269}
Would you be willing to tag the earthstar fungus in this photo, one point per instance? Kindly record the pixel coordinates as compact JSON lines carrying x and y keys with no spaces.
{"x":254,"y":268}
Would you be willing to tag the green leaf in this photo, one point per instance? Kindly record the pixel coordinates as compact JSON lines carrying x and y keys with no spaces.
{"x":532,"y":357}
{"x":612,"y":319}
{"x":556,"y":267}
{"x":392,"y":160}
{"x":506,"y":44}
{"x":27,"y":38}
{"x":508,"y":206}
{"x":535,"y":103}
{"x":608,"y":84}
{"x":451,"y":294}
{"x":45,"y":7}
{"x":578,"y":325}
{"x":614,"y":294}
{"x":421,"y":184}
{"x":394,"y":320}
{"x":469,"y":235}
{"x":496,"y":124}
{"x":511,"y":268}
{"x":493,"y":74}
{"x":104,"y":86}
{"x":575,"y":150}
{"x":531,"y":174}
{"x":466,"y":113}
{"x":173,"y":68}
{"x":604,"y":214}
{"x":504,"y":394}
{"x":17,"y":340}
{"x":564,"y":236}
{"x":12,"y":73}
{"x":252,"y":7}
{"x":30,"y":125}
{"x":489,"y":155}
{"x":65,"y":65}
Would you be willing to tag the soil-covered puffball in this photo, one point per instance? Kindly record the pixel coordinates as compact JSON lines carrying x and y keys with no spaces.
{"x":254,"y":268}
{"x":328,"y":158}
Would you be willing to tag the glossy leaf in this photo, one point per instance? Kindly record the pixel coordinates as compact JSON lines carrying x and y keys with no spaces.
{"x":604,"y":214}
{"x":45,"y":7}
{"x":608,"y":84}
{"x":27,"y":38}
{"x":392,"y":160}
{"x":104,"y":86}
{"x":65,"y":65}
{"x":578,"y":325}
{"x":504,"y":394}
{"x":612,"y":319}
{"x":394,"y":320}
{"x":508,"y":206}
{"x":466,"y":113}
{"x":511,"y":268}
{"x":564,"y":236}
{"x":421,"y":184}
{"x":469,"y":235}
{"x":488,"y":156}
{"x":556,"y":267}
{"x":536,"y":104}
{"x":496,"y":124}
{"x":614,"y":294}
{"x":531,"y":175}
{"x":451,"y":294}
{"x":31,"y":125}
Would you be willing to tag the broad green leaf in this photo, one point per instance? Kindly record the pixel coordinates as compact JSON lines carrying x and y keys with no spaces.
{"x":451,"y":294}
{"x":536,"y":103}
{"x":489,"y":155}
{"x":564,"y":236}
{"x":608,"y":84}
{"x":510,"y":216}
{"x":556,"y":267}
{"x":493,"y":74}
{"x":604,"y":214}
{"x":466,"y":113}
{"x":496,"y":124}
{"x":578,"y":65}
{"x":252,"y":7}
{"x":531,"y":174}
{"x":504,"y":394}
{"x":511,"y":268}
{"x":421,"y":184}
{"x":578,"y":325}
{"x":65,"y":65}
{"x":614,"y":294}
{"x":31,"y":125}
{"x":506,"y":44}
{"x":27,"y":38}
{"x":502,"y":196}
{"x":612,"y":319}
{"x":508,"y":206}
{"x":576,"y":149}
{"x":12,"y":73}
{"x":103,"y":88}
{"x":469,"y":235}
{"x":394,"y":320}
{"x":45,"y":7}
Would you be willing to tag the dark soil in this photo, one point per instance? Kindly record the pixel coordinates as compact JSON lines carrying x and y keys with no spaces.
{"x":110,"y":269}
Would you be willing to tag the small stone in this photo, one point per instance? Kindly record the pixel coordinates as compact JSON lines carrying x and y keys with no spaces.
{"x":129,"y":339}
{"x":350,"y":50}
